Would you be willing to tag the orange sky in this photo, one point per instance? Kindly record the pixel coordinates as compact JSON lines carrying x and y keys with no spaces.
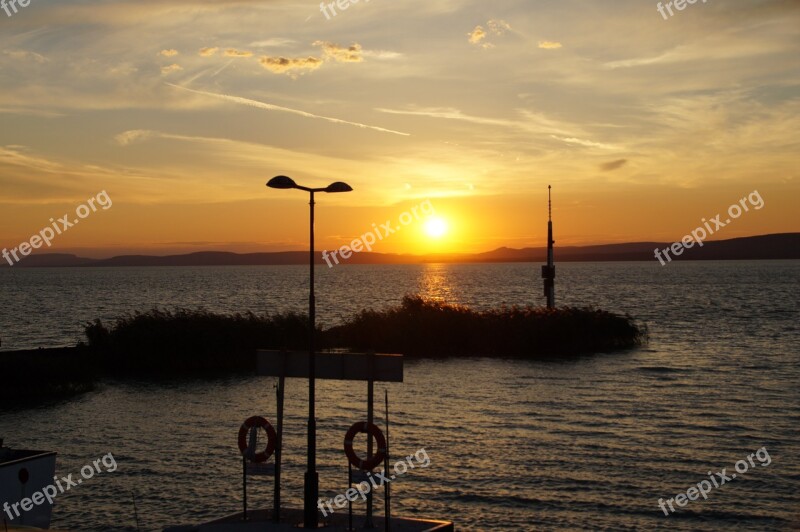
{"x":182,"y":110}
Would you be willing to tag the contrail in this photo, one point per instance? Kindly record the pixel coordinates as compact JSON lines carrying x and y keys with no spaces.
{"x":200,"y":74}
{"x":226,"y":65}
{"x":270,"y":107}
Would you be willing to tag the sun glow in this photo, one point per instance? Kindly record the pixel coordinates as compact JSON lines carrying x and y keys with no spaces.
{"x":435,"y":227}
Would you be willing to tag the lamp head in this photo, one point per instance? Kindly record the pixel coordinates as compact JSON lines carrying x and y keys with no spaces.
{"x":282,"y":182}
{"x":338,"y":186}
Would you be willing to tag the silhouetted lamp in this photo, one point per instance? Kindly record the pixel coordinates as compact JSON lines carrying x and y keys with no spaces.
{"x":282,"y":181}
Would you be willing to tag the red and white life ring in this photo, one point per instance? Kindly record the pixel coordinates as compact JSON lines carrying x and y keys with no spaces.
{"x":272,"y":437}
{"x":372,"y":431}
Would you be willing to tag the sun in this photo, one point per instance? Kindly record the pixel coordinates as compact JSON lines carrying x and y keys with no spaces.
{"x":435,"y":227}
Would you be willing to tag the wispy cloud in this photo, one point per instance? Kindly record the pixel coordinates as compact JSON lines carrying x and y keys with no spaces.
{"x":31,"y":112}
{"x":275,"y":42}
{"x":21,"y":156}
{"x":585,"y":143}
{"x":271,"y":107}
{"x":382,"y":54}
{"x":169,"y":69}
{"x":613,"y":165}
{"x":549,"y":45}
{"x":529,"y":123}
{"x":126,"y":138}
{"x":723,"y":46}
{"x":448,"y":113}
{"x":25,"y":55}
{"x":499,"y":27}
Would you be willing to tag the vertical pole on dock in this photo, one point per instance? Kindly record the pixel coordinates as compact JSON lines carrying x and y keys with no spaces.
{"x":244,"y":487}
{"x":276,"y":503}
{"x":387,"y":490}
{"x":349,"y":502}
{"x":370,"y":417}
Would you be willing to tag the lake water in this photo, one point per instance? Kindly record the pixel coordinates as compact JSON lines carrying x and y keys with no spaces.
{"x":586,"y":444}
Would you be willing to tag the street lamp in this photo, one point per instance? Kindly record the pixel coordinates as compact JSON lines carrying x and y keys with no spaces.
{"x":311,"y":491}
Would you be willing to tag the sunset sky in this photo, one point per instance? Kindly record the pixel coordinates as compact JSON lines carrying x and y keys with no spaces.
{"x":181,"y":110}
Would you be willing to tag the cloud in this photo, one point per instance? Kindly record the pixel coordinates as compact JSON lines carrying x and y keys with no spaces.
{"x":32,"y":112}
{"x":382,"y":54}
{"x":613,"y":165}
{"x":718,"y":47}
{"x":499,"y":27}
{"x":25,"y":55}
{"x":169,"y":69}
{"x":477,"y":35}
{"x":448,"y":113}
{"x":351,"y":54}
{"x":168,"y":53}
{"x":123,"y":70}
{"x":531,"y":123}
{"x":274,"y":42}
{"x":271,"y":107}
{"x":17,"y":155}
{"x":233,"y":52}
{"x":585,"y":143}
{"x":208,"y":52}
{"x":549,"y":45}
{"x":283,"y":65}
{"x":133,"y":136}
{"x":330,"y":52}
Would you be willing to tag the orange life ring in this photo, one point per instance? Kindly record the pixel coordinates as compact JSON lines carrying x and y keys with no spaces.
{"x":272,"y":437}
{"x":372,"y":432}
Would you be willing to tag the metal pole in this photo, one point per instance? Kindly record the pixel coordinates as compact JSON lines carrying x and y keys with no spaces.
{"x":311,"y":478}
{"x":135,"y":511}
{"x":370,"y":417}
{"x":276,"y":503}
{"x":244,"y":488}
{"x":349,"y":502}
{"x":387,"y":491}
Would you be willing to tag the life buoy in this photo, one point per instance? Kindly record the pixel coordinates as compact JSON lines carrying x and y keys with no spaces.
{"x":372,"y":432}
{"x":258,"y":422}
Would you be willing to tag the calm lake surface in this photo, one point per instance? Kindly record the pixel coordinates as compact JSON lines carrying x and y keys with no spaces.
{"x":586,"y":444}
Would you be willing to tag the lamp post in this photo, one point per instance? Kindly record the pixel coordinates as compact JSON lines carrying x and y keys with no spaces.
{"x":311,"y":490}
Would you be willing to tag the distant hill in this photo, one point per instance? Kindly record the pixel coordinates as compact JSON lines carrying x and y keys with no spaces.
{"x":764,"y":247}
{"x":46,"y":260}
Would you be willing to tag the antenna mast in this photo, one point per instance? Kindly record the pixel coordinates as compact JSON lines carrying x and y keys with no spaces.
{"x":549,"y":270}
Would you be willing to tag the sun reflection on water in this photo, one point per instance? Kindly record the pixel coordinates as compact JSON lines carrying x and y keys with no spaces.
{"x":435,"y":283}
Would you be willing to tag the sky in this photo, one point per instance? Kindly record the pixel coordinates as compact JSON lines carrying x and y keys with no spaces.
{"x":180,"y":111}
